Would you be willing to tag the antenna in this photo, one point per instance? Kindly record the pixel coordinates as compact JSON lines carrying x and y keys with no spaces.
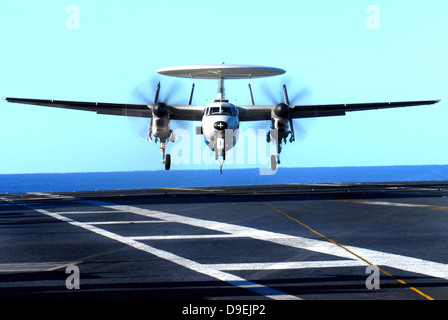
{"x":285,"y":93}
{"x":251,"y":95}
{"x":191,"y":95}
{"x":156,"y":96}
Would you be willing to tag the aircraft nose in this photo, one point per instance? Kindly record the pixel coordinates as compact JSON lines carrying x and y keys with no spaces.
{"x":220,"y":125}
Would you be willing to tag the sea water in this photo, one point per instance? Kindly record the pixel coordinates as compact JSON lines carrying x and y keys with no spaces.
{"x":87,"y":181}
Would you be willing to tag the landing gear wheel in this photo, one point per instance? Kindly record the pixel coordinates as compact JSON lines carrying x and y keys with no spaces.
{"x":167,"y":162}
{"x":273,"y":162}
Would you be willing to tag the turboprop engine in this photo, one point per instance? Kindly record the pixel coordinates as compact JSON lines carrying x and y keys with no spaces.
{"x":281,"y":127}
{"x":280,"y":120}
{"x":160,"y":122}
{"x":160,"y":127}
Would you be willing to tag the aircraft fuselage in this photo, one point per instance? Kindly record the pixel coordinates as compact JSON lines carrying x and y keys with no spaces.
{"x":220,"y":125}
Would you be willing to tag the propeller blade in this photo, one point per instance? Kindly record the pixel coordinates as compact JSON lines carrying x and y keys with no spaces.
{"x":268,"y":93}
{"x":298,"y":130}
{"x":300,"y":95}
{"x":171,"y":93}
{"x":149,"y":91}
{"x":145,"y":92}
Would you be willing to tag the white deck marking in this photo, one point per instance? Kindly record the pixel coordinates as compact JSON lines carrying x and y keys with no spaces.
{"x":48,"y":195}
{"x":33,"y":266}
{"x":288,"y":265}
{"x":124,"y":222}
{"x":235,"y":230}
{"x":87,"y":212}
{"x":187,"y":263}
{"x":226,"y":230}
{"x":396,"y":204}
{"x":415,"y":265}
{"x":185,"y":237}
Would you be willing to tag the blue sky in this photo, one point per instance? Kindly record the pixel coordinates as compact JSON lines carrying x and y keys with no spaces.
{"x":102,"y":50}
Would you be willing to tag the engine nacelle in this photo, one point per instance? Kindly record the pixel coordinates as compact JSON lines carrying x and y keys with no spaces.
{"x":280,"y":118}
{"x":160,"y":110}
{"x":280,"y":122}
{"x":160,"y":122}
{"x":281,"y":110}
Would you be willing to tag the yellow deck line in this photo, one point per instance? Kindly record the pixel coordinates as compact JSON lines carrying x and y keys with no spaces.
{"x":351,"y":252}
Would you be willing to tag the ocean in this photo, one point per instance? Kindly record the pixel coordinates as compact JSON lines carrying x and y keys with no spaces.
{"x":88,"y":181}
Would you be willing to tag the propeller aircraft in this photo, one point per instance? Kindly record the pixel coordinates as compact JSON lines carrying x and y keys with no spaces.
{"x":220,"y":119}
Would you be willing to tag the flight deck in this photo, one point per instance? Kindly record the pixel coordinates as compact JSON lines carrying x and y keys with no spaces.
{"x":336,"y":241}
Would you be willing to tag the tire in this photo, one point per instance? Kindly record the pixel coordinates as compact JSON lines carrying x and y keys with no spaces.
{"x":167,"y":162}
{"x":273,"y":162}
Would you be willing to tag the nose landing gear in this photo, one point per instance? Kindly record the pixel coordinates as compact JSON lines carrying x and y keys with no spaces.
{"x":220,"y":150}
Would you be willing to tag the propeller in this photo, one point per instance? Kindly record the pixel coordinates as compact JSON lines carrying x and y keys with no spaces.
{"x":149,"y":91}
{"x":282,"y":109}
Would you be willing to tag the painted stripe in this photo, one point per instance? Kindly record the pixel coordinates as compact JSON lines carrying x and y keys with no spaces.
{"x":235,"y":230}
{"x":34,"y":266}
{"x":364,"y":255}
{"x":425,"y":267}
{"x":354,"y":255}
{"x":86,"y":212}
{"x":396,"y":204}
{"x":124,"y":222}
{"x":49,"y":195}
{"x":185,"y":237}
{"x":189,"y":264}
{"x":288,"y":265}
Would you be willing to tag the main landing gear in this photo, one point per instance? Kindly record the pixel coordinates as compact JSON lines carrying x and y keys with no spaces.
{"x":166,"y":157}
{"x":272,"y":136}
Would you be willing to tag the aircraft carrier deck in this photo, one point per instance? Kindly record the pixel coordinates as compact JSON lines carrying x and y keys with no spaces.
{"x":362,"y":241}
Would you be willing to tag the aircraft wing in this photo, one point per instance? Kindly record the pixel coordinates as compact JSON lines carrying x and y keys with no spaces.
{"x":177,"y":112}
{"x":254,"y":113}
{"x":325,"y":110}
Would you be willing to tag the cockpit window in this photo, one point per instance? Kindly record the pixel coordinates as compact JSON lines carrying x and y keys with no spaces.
{"x":214,"y":110}
{"x":226,"y":110}
{"x":221,"y":110}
